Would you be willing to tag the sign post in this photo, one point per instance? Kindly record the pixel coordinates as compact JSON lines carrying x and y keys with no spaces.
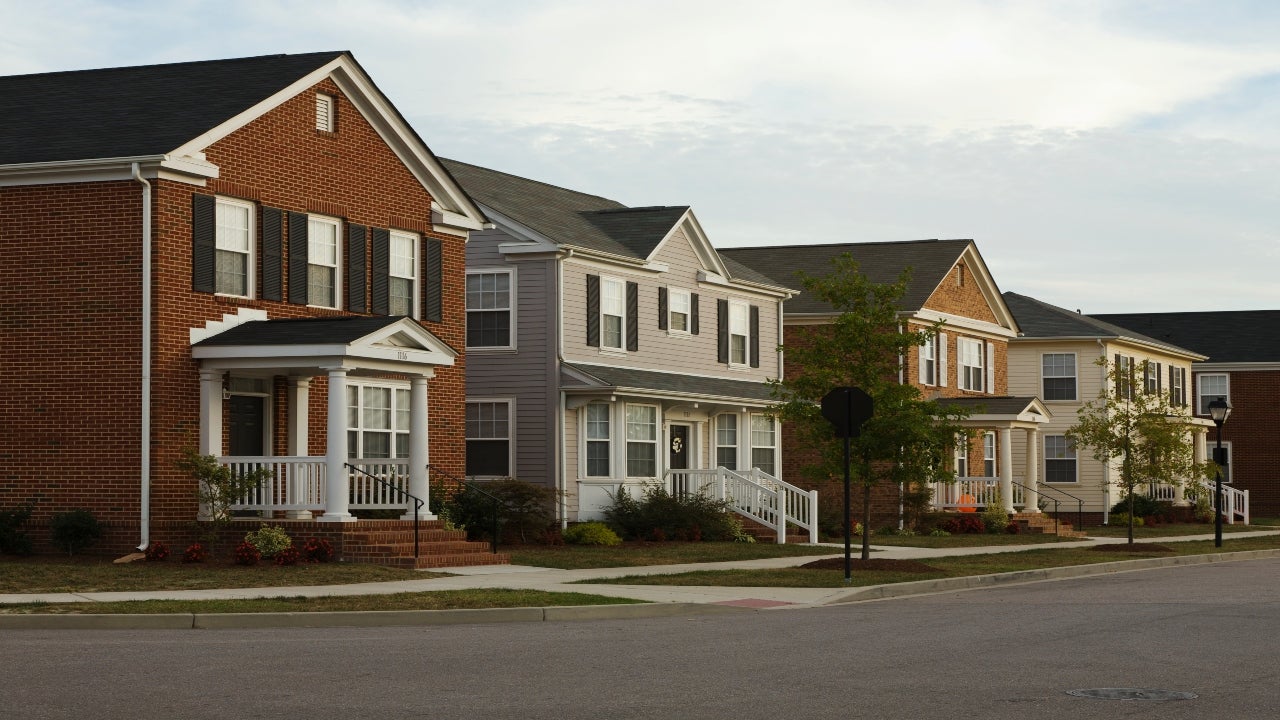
{"x":846,"y":408}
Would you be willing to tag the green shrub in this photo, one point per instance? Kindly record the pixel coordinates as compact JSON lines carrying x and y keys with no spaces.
{"x":13,"y":539}
{"x":524,"y":509}
{"x":75,"y":530}
{"x":1121,"y":519}
{"x":269,"y":540}
{"x":994,"y":515}
{"x":659,"y":514}
{"x":1142,"y":506}
{"x":939,"y":532}
{"x":591,"y":533}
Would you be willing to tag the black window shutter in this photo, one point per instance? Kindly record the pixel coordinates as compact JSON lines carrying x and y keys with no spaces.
{"x":203,"y":245}
{"x":381,"y":285}
{"x":593,"y":311}
{"x":272,"y":254}
{"x":693,"y":313}
{"x":433,"y":292}
{"x":1173,"y":395}
{"x":298,"y":258}
{"x":1119,"y":378}
{"x":633,"y":316}
{"x":1159,"y":379}
{"x":357,"y":277}
{"x":722,"y":331}
{"x":662,"y":308}
{"x":755,"y":336}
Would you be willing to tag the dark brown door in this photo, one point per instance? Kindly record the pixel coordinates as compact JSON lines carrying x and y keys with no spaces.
{"x":246,"y":425}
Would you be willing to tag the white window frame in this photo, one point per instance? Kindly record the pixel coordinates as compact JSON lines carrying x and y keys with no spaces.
{"x":1068,"y":447}
{"x":510,"y":309}
{"x":1128,"y":378}
{"x":960,"y":457}
{"x":326,"y":112}
{"x":587,"y":439}
{"x":510,"y":437}
{"x":250,"y":278}
{"x":651,"y":441}
{"x":1226,"y":446}
{"x":968,"y":370}
{"x":772,"y":447}
{"x":606,"y":301}
{"x":1178,"y":387}
{"x":928,"y":356}
{"x":405,"y":269}
{"x":1075,"y":378}
{"x":1201,"y":406}
{"x":400,"y":410}
{"x":989,"y":454}
{"x":720,"y":444}
{"x":739,"y":326}
{"x":336,"y":267}
{"x":679,"y":302}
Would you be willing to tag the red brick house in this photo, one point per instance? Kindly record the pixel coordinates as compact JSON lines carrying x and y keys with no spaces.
{"x":256,"y":257}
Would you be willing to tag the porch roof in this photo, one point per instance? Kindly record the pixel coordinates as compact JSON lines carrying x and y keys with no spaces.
{"x":583,"y":377}
{"x":383,"y":344}
{"x":1001,"y":408}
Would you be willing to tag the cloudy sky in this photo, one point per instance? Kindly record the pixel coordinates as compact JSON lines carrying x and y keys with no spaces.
{"x":1109,"y":156}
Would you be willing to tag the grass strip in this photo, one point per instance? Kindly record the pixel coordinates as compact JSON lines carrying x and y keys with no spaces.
{"x":50,"y":575}
{"x":947,"y":567}
{"x":439,"y":600}
{"x":632,"y":554}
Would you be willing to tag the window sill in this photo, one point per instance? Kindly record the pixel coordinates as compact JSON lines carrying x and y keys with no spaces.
{"x":613,"y":352}
{"x":491,"y":349}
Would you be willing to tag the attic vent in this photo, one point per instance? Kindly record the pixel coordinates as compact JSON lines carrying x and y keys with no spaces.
{"x":325,"y":113}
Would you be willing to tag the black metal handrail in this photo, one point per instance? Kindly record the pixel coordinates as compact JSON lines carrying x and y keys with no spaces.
{"x":417,"y":501}
{"x":1079,"y":503}
{"x":496,"y":501}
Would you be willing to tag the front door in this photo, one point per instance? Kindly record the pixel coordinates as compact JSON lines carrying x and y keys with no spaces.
{"x":679,"y":449}
{"x":246,"y":425}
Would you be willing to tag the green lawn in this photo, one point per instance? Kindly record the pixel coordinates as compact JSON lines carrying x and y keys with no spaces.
{"x":958,"y":566}
{"x":574,"y":557}
{"x":954,"y":541}
{"x":1170,"y":530}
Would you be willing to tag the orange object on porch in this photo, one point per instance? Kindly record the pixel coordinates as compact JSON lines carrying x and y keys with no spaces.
{"x":967,"y":503}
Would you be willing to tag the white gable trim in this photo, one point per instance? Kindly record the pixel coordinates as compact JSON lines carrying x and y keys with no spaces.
{"x":191,"y":170}
{"x":402,"y":346}
{"x":707,"y":255}
{"x":979,"y":273}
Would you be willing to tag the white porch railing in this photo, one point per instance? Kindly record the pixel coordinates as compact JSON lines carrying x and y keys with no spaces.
{"x":753,"y":494}
{"x":1235,"y":502}
{"x":301,"y":483}
{"x":973,"y":492}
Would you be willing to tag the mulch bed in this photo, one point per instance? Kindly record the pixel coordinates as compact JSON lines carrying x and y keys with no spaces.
{"x":1132,"y":548}
{"x":884,"y":564}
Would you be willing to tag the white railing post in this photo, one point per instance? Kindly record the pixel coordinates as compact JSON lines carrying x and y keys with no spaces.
{"x":813,"y":516}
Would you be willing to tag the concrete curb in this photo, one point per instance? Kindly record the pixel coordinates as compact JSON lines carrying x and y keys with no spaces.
{"x":972,"y":582}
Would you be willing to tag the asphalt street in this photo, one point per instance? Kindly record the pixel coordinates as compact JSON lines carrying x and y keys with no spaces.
{"x":1007,"y":652}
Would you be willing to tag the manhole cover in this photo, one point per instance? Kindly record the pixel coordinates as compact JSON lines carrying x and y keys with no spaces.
{"x":1132,"y":694}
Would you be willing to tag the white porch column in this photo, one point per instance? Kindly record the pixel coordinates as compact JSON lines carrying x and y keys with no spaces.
{"x":210,"y":421}
{"x":1032,"y":504}
{"x":299,"y":410}
{"x":419,"y":448}
{"x":1006,"y":469}
{"x":338,"y":484}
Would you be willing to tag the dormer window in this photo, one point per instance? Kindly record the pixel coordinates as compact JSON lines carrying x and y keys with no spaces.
{"x":326,"y":112}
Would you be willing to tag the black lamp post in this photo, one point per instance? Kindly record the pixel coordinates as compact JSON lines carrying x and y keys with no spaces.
{"x":1219,"y":410}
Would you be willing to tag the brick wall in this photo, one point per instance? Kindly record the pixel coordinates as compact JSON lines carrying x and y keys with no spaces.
{"x":71,"y":299}
{"x":1254,"y":435}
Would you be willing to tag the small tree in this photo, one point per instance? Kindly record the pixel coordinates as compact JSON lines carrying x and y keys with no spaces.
{"x":218,"y":486}
{"x":1150,"y":436}
{"x":908,"y":436}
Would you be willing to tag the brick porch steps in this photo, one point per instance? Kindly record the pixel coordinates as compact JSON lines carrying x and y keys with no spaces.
{"x":1041,"y":524}
{"x":763,"y":534}
{"x":391,"y":544}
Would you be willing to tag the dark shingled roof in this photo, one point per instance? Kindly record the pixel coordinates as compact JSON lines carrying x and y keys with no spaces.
{"x":619,"y":377}
{"x":303,"y":331}
{"x":1225,"y":336}
{"x":992,"y":405}
{"x":1039,"y":319}
{"x":132,"y":111}
{"x":881,"y":262}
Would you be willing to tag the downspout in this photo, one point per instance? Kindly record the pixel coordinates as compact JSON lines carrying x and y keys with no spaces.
{"x":1106,"y":466}
{"x":564,"y":402}
{"x":902,"y":362}
{"x":145,"y":481}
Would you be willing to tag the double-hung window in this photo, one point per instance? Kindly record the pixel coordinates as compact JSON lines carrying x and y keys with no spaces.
{"x":403,"y":277}
{"x":1059,"y":459}
{"x":489,"y":309}
{"x":598,"y":439}
{"x":642,"y":441}
{"x":233,"y":232}
{"x":377,"y":421}
{"x":1210,"y":387}
{"x":489,"y":438}
{"x":1151,"y":376}
{"x":929,"y":362}
{"x":989,"y":455}
{"x":1124,"y":377}
{"x":727,"y":441}
{"x":764,"y":444}
{"x":1058,"y":373}
{"x":962,"y":457}
{"x":322,"y":262}
{"x":678,"y":311}
{"x":1177,"y":386}
{"x":971,"y":364}
{"x":613,"y":313}
{"x":739,"y":332}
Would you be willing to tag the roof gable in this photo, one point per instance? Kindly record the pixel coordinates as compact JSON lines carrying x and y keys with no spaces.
{"x":376,"y":342}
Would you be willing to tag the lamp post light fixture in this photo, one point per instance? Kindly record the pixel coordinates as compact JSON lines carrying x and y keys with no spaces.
{"x":1219,"y":410}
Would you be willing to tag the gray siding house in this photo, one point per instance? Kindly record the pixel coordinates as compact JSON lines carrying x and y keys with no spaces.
{"x":611,"y":346}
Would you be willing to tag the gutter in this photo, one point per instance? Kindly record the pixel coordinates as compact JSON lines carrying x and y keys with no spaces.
{"x":145,"y":474}
{"x":563,"y":474}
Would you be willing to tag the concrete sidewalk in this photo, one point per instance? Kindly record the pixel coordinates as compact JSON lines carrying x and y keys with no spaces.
{"x":688,"y":598}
